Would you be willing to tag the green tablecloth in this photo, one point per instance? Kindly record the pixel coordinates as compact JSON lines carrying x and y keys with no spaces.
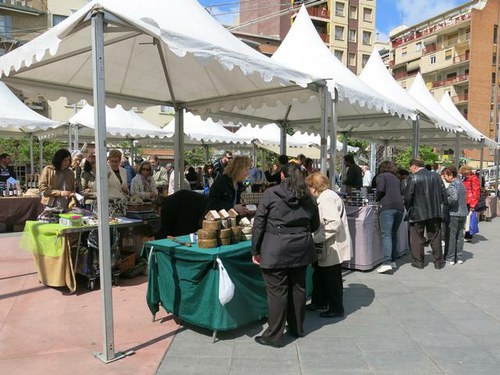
{"x":185,"y":280}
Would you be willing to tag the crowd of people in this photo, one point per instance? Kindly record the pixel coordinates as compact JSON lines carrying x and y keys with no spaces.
{"x":301,"y":219}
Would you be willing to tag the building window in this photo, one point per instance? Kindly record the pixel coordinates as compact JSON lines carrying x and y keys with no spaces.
{"x":495,"y":34}
{"x":493,"y":78}
{"x":404,"y":52}
{"x":364,"y":60}
{"x":339,"y":9}
{"x":367,"y":38}
{"x":353,"y":12}
{"x":352,"y":59}
{"x":447,"y":54}
{"x":433,"y":59}
{"x":56,"y":19}
{"x":352,"y":35}
{"x":418,"y":47}
{"x":5,"y":26}
{"x":339,"y":33}
{"x":339,"y":54}
{"x":367,"y":14}
{"x":494,"y":59}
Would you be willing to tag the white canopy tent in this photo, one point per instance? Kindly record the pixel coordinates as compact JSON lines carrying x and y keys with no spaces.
{"x":447,"y":103}
{"x":315,"y":140}
{"x":120,"y":124}
{"x":200,"y":132}
{"x":418,"y":90}
{"x":376,"y":75}
{"x":18,"y":120}
{"x":138,"y":53}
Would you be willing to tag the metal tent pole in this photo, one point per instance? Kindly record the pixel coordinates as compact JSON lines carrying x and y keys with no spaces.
{"x":178,"y":147}
{"x":325,"y":104}
{"x":457,"y":150}
{"x":344,"y":153}
{"x":40,"y":152}
{"x":108,"y":353}
{"x":282,"y":138}
{"x":32,"y":162}
{"x":333,"y":140}
{"x":416,"y":136}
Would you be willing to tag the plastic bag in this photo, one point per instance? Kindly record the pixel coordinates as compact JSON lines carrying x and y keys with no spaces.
{"x":473,"y":224}
{"x":226,"y":286}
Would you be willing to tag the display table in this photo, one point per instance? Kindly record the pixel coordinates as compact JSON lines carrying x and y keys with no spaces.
{"x":185,"y":281}
{"x":51,"y":245}
{"x":15,"y":211}
{"x":366,"y":241}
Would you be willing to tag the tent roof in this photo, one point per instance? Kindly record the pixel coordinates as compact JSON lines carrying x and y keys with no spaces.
{"x":269,"y":134}
{"x":198,"y":131}
{"x":169,"y":54}
{"x":312,"y":139}
{"x":473,"y":133}
{"x":120,"y":124}
{"x":16,"y":118}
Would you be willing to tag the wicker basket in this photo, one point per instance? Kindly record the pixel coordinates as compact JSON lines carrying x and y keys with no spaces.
{"x":128,"y":262}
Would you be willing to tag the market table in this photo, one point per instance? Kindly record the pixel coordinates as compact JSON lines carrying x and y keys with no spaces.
{"x":51,"y":245}
{"x":366,"y":241}
{"x":15,"y":211}
{"x":185,"y":281}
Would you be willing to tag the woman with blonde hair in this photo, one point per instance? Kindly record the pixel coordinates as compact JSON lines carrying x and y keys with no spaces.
{"x":333,"y":247}
{"x":225,"y":193}
{"x":143,"y":183}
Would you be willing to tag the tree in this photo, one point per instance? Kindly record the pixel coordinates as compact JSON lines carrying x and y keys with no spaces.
{"x":197,"y":156}
{"x":19,"y":150}
{"x":425,"y":153}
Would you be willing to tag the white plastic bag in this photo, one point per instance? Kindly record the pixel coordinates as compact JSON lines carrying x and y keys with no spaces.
{"x":226,"y":286}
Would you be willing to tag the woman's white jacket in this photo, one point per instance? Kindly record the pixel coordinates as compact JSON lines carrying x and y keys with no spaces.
{"x":333,"y":232}
{"x":114,"y":186}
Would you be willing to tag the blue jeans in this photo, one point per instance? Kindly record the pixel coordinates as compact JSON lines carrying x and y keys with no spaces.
{"x":389,"y":225}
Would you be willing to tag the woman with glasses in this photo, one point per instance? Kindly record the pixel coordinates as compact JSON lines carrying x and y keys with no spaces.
{"x":143,"y":183}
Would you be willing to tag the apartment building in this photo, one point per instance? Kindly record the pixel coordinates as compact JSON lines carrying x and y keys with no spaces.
{"x":346,"y":26}
{"x":456,"y":51}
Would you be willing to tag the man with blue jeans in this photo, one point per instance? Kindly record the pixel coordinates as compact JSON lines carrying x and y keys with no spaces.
{"x":391,"y":212}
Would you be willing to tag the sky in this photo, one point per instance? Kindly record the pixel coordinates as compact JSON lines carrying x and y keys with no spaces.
{"x":389,"y":13}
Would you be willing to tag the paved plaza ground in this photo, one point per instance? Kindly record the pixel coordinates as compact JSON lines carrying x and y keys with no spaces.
{"x":411,"y":322}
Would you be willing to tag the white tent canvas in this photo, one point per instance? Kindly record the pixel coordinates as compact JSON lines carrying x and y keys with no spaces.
{"x":359,"y":107}
{"x":169,"y":54}
{"x":269,"y":134}
{"x":198,"y":131}
{"x":120,"y":124}
{"x":447,"y":103}
{"x":376,"y":75}
{"x":315,"y":140}
{"x":16,"y":118}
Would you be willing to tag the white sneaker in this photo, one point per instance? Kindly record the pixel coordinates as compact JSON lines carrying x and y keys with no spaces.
{"x":394,"y":265}
{"x":460,"y":261}
{"x":450,"y":263}
{"x":384,"y":268}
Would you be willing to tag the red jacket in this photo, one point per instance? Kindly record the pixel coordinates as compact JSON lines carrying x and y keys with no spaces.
{"x":473,"y":188}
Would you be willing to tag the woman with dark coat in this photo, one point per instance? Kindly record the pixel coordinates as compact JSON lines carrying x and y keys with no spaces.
{"x":226,"y":190}
{"x":283,"y":246}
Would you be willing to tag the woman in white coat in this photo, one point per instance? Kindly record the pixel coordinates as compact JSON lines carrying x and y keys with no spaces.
{"x":333,"y":245}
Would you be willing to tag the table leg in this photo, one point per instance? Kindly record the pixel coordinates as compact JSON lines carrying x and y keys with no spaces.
{"x":214,"y":335}
{"x":78,"y":243}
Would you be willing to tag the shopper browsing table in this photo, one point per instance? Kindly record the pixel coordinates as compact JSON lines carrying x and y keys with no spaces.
{"x":283,"y":247}
{"x":143,"y":184}
{"x":57,"y":181}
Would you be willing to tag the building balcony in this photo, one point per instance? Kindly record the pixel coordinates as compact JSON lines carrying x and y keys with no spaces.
{"x":324,"y":37}
{"x":451,"y":81}
{"x":24,"y":6}
{"x":320,"y":11}
{"x":460,"y":99}
{"x":435,"y":27}
{"x":461,"y":58}
{"x":404,"y":75}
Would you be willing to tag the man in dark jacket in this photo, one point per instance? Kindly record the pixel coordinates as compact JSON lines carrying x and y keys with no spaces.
{"x":424,"y":196}
{"x":221,"y":163}
{"x":353,"y":176}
